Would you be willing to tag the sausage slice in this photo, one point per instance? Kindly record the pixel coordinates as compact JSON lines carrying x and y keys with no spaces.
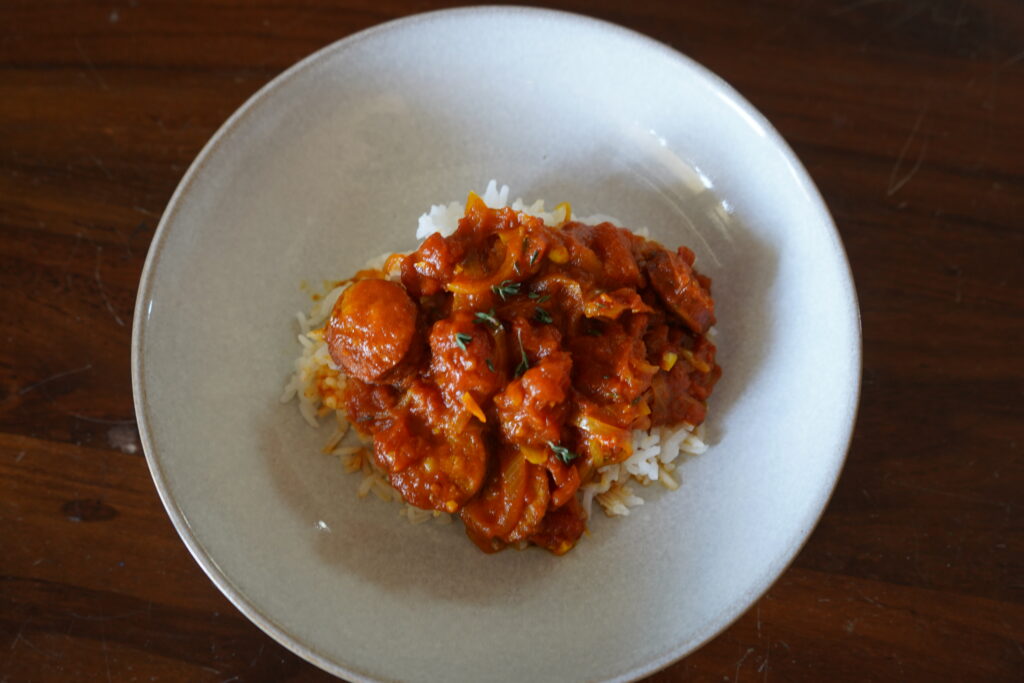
{"x":371,"y":330}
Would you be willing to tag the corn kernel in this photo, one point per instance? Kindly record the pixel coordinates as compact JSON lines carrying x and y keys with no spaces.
{"x":668,"y":359}
{"x":559,"y":255}
{"x":696,"y":362}
{"x":535,"y":455}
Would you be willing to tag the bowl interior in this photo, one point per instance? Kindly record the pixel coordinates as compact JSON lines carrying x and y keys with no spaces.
{"x":332,"y":164}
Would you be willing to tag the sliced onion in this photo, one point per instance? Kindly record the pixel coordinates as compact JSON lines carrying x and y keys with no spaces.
{"x":467,"y":284}
{"x":472,"y":406}
{"x":592,"y":425}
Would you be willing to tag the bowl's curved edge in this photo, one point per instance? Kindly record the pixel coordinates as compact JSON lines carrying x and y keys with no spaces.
{"x":773,"y":573}
{"x":224,"y":584}
{"x":199,"y":553}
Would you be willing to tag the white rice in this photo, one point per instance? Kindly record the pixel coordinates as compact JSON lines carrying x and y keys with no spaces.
{"x":654,"y":453}
{"x":444,"y":218}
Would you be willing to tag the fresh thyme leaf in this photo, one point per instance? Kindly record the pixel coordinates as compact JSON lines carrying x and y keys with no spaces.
{"x":506,"y":289}
{"x":533,"y":257}
{"x":488,"y":318}
{"x":461,"y":339}
{"x":539,"y":298}
{"x":524,"y":364}
{"x":542,"y":316}
{"x":563,"y":453}
{"x":515,"y":267}
{"x":490,"y":365}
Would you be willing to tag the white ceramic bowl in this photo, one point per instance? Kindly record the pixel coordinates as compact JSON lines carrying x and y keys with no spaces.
{"x":330,"y":164}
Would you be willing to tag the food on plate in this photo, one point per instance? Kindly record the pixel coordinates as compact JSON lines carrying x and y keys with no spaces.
{"x":515,"y":369}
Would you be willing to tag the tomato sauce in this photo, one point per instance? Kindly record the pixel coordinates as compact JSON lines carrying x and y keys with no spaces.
{"x":511,"y":360}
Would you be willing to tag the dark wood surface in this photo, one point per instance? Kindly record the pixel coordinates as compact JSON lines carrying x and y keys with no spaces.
{"x":909,"y":114}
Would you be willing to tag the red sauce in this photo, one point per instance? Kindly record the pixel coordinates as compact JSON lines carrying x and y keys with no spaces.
{"x":512,"y":360}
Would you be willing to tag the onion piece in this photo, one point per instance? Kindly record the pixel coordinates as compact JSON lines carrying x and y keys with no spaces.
{"x":472,"y":406}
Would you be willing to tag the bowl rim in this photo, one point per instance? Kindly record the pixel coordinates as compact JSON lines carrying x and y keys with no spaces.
{"x":144,"y":298}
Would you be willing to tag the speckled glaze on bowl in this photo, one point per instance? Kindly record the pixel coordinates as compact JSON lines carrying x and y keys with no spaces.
{"x":331,"y":163}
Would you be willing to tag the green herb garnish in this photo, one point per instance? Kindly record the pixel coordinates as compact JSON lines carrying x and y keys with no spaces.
{"x":490,"y":366}
{"x":533,"y":257}
{"x":594,"y":331}
{"x":542,"y":316}
{"x":506,"y":289}
{"x":461,"y":339}
{"x":563,"y":453}
{"x":524,"y":364}
{"x":539,"y":298}
{"x":488,"y":318}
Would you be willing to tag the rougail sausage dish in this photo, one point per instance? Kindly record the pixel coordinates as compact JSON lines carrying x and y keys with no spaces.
{"x":514,"y":371}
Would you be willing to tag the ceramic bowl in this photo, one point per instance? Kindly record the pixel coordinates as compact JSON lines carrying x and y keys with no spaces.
{"x":330,"y":164}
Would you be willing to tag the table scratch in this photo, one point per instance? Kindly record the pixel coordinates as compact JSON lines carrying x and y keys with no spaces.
{"x":978,"y":500}
{"x":92,"y":67}
{"x":53,"y":378}
{"x":103,"y":291}
{"x":99,"y":164}
{"x":106,"y":657}
{"x":895,"y":181}
{"x":740,"y":663}
{"x":17,"y":636}
{"x":99,"y":420}
{"x":253,"y":662}
{"x":1012,"y":60}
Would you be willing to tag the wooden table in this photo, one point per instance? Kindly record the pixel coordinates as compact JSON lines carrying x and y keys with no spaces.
{"x":909,"y":114}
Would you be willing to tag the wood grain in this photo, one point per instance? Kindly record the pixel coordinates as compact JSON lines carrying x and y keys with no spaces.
{"x":909,"y":115}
